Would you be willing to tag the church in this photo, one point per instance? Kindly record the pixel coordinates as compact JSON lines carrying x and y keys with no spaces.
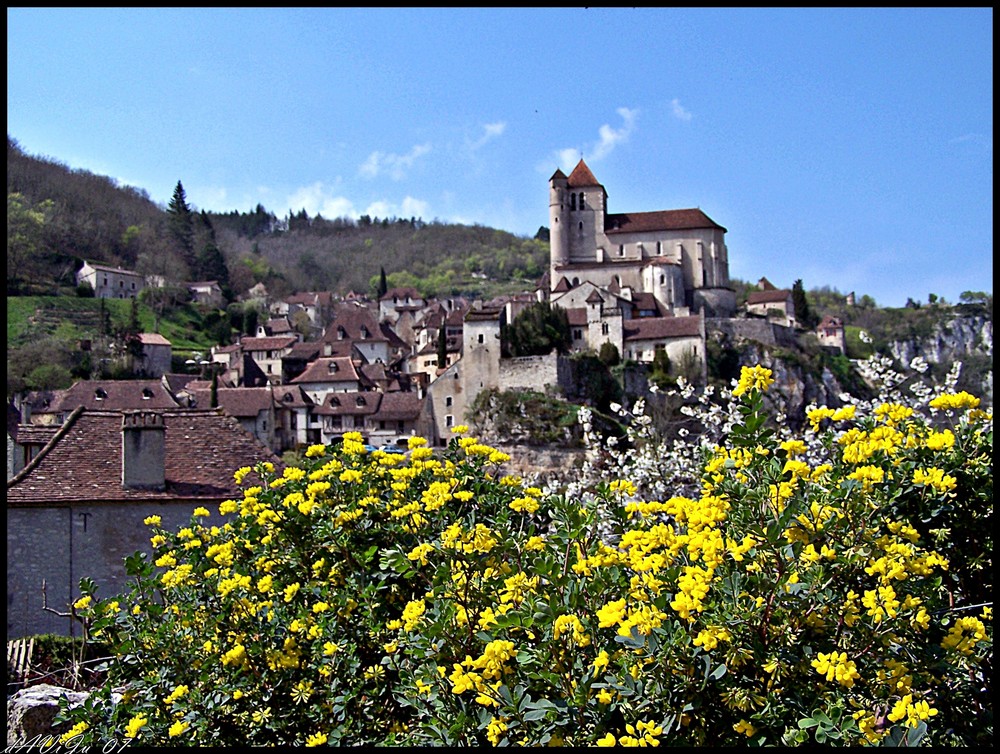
{"x":676,"y":256}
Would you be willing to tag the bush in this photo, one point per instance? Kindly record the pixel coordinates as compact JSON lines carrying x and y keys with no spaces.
{"x":371,"y":598}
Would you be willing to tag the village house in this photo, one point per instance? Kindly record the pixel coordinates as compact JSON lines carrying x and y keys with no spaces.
{"x":252,"y":407}
{"x":830,"y":332}
{"x":77,"y":508}
{"x":206,"y":293}
{"x":774,"y":303}
{"x":110,"y":282}
{"x":157,"y":355}
{"x":113,"y":395}
{"x":268,"y":352}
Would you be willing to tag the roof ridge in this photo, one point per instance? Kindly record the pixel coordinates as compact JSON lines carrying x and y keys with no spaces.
{"x":60,"y":433}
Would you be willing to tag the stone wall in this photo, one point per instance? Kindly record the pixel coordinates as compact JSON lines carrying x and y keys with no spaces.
{"x":529,"y":372}
{"x":753,"y":329}
{"x":59,"y":545}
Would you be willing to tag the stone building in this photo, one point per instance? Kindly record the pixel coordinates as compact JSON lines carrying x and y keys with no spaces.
{"x":679,"y":256}
{"x":77,"y":508}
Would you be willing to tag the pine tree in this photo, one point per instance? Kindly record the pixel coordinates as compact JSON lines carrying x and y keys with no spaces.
{"x":442,"y":347}
{"x":181,"y":224}
{"x":383,"y":285}
{"x":803,"y":313}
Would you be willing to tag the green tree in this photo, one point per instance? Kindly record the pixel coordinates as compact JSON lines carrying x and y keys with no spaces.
{"x":181,"y":224}
{"x":383,"y":286}
{"x":803,"y":313}
{"x":539,"y":329}
{"x":442,"y":347}
{"x":25,"y":225}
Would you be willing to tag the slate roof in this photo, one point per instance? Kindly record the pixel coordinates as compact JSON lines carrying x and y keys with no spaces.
{"x":655,"y":328}
{"x":352,"y":319}
{"x":83,"y":461}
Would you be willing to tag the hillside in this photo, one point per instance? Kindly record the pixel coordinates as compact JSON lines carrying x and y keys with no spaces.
{"x":58,"y":217}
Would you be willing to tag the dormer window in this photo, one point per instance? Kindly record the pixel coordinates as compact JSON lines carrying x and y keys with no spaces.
{"x":364,"y":333}
{"x":333,"y":367}
{"x":100,"y":394}
{"x":146,"y":393}
{"x":360,"y":400}
{"x":334,"y":400}
{"x":341,"y":332}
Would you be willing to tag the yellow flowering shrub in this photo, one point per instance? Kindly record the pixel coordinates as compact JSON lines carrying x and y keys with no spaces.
{"x":374,"y":599}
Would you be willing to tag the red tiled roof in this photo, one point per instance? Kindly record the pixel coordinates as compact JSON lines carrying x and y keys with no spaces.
{"x":768,"y":297}
{"x":113,"y":395}
{"x":667,"y":219}
{"x":353,"y":404}
{"x":581,"y":176}
{"x":319,"y":371}
{"x":270,"y":343}
{"x":653,"y":328}
{"x":399,"y":405}
{"x":237,"y":401}
{"x":83,"y":463}
{"x":577,"y":316}
{"x":292,"y":396}
{"x":153,"y":339}
{"x":352,"y":319}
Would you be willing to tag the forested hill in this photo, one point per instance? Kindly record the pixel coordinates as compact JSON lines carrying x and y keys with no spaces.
{"x":57,"y":217}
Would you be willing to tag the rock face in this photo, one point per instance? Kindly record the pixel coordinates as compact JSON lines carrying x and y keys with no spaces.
{"x":30,"y":713}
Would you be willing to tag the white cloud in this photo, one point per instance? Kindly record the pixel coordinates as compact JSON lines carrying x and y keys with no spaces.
{"x":679,"y":112}
{"x":609,"y":139}
{"x":408,"y":208}
{"x":394,"y":165}
{"x":490,"y":132}
{"x":317,"y":199}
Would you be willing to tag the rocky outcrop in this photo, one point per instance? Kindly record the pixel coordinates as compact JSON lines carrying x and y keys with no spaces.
{"x":31,"y":712}
{"x":949,"y":341}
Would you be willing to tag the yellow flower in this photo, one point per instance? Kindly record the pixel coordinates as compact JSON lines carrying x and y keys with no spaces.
{"x":73,"y":732}
{"x":317,"y":739}
{"x":177,"y":728}
{"x":608,"y":740}
{"x":753,"y":378}
{"x":135,"y":725}
{"x":745,"y":728}
{"x":955,"y":401}
{"x":152,"y":520}
{"x":83,"y":603}
{"x":201,"y":512}
{"x":314,"y":451}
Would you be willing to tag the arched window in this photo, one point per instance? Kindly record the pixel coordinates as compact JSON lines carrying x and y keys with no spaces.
{"x":572,"y":202}
{"x":581,"y":199}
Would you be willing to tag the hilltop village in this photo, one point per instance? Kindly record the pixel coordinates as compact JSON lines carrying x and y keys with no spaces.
{"x":405,"y":365}
{"x":87,"y":465}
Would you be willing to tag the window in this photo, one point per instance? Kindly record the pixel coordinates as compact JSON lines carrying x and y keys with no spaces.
{"x":604,"y":328}
{"x":581,"y":199}
{"x":577,"y":335}
{"x":572,"y":202}
{"x":447,"y":401}
{"x":621,"y":249}
{"x":659,"y":247}
{"x":449,"y":420}
{"x":480,"y":338}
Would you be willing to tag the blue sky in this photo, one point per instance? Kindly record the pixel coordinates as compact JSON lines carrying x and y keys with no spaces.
{"x":846,"y":147}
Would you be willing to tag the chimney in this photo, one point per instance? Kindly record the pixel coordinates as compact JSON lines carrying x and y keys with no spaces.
{"x":143,"y":451}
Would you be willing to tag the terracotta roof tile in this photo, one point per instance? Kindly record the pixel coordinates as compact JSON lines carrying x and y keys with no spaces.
{"x":114,"y":395}
{"x":83,"y":463}
{"x":668,"y":219}
{"x":653,"y":328}
{"x":269,"y":343}
{"x":768,"y":297}
{"x":320,"y":371}
{"x":237,"y":401}
{"x":581,"y":176}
